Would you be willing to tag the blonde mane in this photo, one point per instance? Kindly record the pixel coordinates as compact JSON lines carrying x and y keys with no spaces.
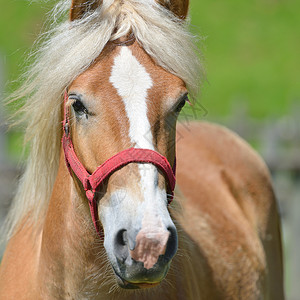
{"x":67,"y":50}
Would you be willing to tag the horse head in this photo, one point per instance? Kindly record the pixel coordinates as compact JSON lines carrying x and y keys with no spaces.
{"x":126,"y":100}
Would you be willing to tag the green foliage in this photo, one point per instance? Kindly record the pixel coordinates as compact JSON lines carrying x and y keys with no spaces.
{"x":252,"y":55}
{"x":20,"y":23}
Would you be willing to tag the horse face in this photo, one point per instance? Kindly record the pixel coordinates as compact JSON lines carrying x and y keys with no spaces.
{"x":125,"y":100}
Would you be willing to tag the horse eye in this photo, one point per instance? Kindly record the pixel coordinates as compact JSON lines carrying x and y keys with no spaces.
{"x":181,"y":104}
{"x":79,"y":108}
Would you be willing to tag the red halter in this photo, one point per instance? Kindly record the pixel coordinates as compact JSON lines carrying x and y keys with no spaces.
{"x":92,"y":181}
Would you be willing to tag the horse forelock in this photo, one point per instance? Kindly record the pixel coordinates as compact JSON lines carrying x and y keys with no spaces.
{"x":67,"y":50}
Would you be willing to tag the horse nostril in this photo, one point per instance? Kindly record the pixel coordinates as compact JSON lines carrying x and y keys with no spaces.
{"x":120,"y":245}
{"x":121,"y":238}
{"x":172,"y":243}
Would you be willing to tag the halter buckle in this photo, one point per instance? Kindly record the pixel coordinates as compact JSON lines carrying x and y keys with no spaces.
{"x":86,"y":184}
{"x":90,"y":195}
{"x":66,"y":129}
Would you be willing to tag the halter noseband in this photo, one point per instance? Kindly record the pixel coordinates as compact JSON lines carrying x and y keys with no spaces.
{"x":92,"y":181}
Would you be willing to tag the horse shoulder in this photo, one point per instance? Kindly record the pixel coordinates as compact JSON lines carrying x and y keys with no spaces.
{"x":19,"y":265}
{"x":229,"y":210}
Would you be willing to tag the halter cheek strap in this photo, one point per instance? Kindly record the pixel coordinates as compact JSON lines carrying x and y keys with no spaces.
{"x":92,"y":181}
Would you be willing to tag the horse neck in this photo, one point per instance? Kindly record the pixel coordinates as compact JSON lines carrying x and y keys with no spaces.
{"x":70,"y":249}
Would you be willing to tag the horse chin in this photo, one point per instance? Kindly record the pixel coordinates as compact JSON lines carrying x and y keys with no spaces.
{"x":142,"y":281}
{"x":135,"y":285}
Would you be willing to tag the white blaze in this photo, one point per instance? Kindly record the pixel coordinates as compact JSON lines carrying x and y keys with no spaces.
{"x":149,"y":217}
{"x":132,"y":82}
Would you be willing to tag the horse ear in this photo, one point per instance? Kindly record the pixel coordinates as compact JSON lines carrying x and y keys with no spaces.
{"x":177,"y":7}
{"x":81,"y":7}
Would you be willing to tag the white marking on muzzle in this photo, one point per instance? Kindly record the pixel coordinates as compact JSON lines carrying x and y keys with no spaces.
{"x":151,"y":241}
{"x":132,"y":82}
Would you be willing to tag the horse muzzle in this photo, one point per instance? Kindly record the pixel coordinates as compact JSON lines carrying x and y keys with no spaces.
{"x":144,"y":262}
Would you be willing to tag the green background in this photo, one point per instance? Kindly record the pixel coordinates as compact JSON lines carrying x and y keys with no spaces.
{"x":252,"y":55}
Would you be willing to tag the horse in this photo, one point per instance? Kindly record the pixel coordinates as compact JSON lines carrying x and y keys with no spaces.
{"x":97,"y":214}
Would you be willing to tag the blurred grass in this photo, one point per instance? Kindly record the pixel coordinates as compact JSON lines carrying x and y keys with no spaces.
{"x":252,"y":55}
{"x":20,"y":23}
{"x":251,"y":51}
